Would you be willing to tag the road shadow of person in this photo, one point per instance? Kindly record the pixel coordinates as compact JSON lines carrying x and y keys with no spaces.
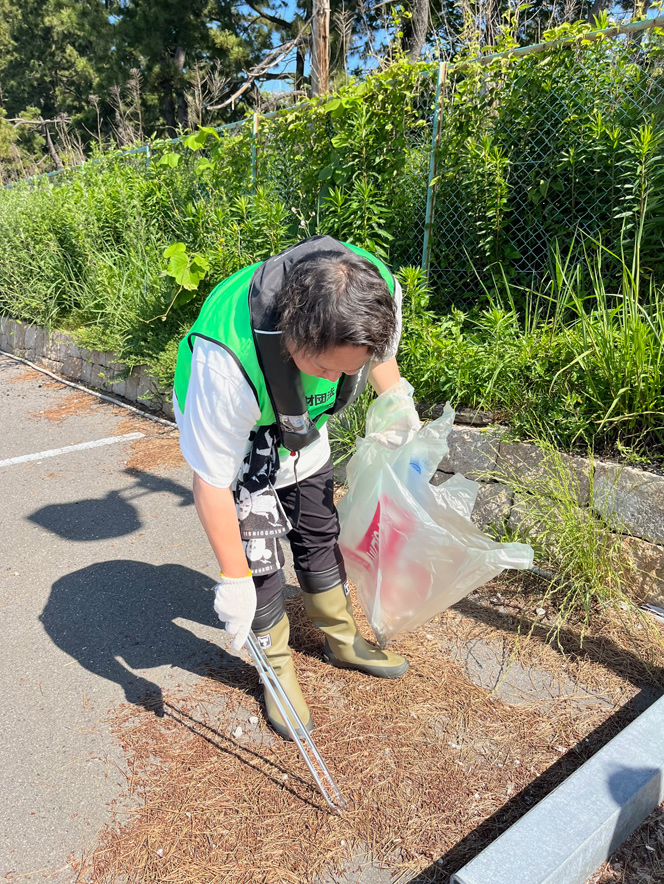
{"x":118,"y":615}
{"x":103,"y":518}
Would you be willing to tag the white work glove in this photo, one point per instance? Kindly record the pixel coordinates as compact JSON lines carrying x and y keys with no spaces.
{"x":392,"y":419}
{"x":235,"y":604}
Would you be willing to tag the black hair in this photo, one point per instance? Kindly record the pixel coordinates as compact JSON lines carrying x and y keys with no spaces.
{"x":333,"y":300}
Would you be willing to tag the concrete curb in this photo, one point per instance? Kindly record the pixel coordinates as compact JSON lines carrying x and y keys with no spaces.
{"x":572,"y":831}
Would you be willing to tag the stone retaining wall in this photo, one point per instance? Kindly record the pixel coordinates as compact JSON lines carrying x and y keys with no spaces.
{"x":630,"y":498}
{"x":634,"y":498}
{"x":59,"y":353}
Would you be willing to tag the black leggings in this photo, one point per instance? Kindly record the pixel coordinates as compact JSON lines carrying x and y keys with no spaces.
{"x":313,"y":542}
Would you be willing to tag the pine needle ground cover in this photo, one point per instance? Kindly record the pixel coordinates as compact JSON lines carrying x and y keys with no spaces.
{"x":434,"y":765}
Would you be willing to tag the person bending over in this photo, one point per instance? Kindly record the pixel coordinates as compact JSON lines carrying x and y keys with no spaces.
{"x":278,"y":348}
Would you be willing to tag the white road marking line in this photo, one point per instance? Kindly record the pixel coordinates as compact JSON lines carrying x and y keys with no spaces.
{"x":54,"y":452}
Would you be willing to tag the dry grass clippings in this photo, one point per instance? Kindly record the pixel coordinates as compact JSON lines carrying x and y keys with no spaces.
{"x":28,"y":374}
{"x":158,"y":450}
{"x":70,"y":404}
{"x":425,"y":761}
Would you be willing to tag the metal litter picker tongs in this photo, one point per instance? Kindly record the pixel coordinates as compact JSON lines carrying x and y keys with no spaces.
{"x":298,"y":731}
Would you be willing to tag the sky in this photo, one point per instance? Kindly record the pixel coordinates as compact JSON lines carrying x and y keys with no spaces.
{"x":356,"y":61}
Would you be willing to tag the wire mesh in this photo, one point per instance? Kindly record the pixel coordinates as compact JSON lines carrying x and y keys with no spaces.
{"x":534,"y":153}
{"x":554,"y":150}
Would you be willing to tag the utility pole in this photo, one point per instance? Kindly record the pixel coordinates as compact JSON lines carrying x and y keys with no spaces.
{"x":320,"y":49}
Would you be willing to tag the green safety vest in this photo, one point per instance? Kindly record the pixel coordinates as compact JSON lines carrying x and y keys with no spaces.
{"x":239,"y":316}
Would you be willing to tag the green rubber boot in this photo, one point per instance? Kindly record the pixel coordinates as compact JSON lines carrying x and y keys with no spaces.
{"x":274,"y":643}
{"x":332,"y":612}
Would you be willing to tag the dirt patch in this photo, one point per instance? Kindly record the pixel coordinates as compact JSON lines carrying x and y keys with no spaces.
{"x":69,"y":405}
{"x":158,"y":451}
{"x":29,"y":374}
{"x":434,"y":766}
{"x":33,"y":376}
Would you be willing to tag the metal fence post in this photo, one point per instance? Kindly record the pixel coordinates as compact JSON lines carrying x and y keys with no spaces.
{"x":254,"y":136}
{"x":433,"y":162}
{"x":147,"y":155}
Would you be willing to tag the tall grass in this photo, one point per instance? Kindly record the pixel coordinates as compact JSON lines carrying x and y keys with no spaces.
{"x":587,"y":555}
{"x":87,"y":254}
{"x":578,"y":362}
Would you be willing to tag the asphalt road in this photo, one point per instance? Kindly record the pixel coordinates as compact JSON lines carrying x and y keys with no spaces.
{"x":105,"y":578}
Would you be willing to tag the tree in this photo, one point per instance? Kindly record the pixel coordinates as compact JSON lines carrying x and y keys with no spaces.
{"x":165,"y":40}
{"x":320,"y":47}
{"x":415,"y":29}
{"x":54,"y":55}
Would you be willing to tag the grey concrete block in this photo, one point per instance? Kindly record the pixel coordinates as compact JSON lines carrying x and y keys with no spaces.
{"x":493,"y":505}
{"x":87,"y":372}
{"x":530,"y":514}
{"x":469,"y":417}
{"x":472,"y":452}
{"x":53,"y":365}
{"x":98,"y":375}
{"x":17,"y":335}
{"x":572,"y":831}
{"x":59,"y":337}
{"x":5,"y":334}
{"x":59,"y":346}
{"x":110,"y":377}
{"x":439,"y":477}
{"x":29,"y":340}
{"x":41,"y":336}
{"x":115,"y":369}
{"x":647,"y":579}
{"x":532,"y":464}
{"x":144,"y":393}
{"x":48,"y":349}
{"x":118,"y":388}
{"x":55,"y":348}
{"x":71,"y":367}
{"x":72,"y":350}
{"x":631,"y":500}
{"x":131,"y":386}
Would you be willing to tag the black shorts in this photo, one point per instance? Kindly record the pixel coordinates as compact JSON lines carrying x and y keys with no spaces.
{"x":314,"y":541}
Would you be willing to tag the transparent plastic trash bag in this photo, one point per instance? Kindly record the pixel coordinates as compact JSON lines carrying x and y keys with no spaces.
{"x":410,"y":547}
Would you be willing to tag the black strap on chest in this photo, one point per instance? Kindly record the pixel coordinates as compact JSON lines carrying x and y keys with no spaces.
{"x":283,"y":379}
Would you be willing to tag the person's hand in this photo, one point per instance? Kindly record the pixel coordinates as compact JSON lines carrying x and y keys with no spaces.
{"x":235,"y":604}
{"x":392,"y":419}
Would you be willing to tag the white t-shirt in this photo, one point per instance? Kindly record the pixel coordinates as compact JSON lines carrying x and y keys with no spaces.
{"x":222,"y":411}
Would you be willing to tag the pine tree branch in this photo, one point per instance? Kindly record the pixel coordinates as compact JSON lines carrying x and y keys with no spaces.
{"x":281,"y":22}
{"x":271,"y":59}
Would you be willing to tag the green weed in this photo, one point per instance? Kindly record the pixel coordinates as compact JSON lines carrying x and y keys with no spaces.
{"x":586,"y":554}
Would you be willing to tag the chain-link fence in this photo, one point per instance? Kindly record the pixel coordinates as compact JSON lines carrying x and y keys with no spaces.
{"x":476,"y":172}
{"x":553,"y":150}
{"x":484,"y":169}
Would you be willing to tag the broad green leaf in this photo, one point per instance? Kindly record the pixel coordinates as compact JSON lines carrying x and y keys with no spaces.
{"x":198,"y":140}
{"x":171,"y":159}
{"x":203,"y":165}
